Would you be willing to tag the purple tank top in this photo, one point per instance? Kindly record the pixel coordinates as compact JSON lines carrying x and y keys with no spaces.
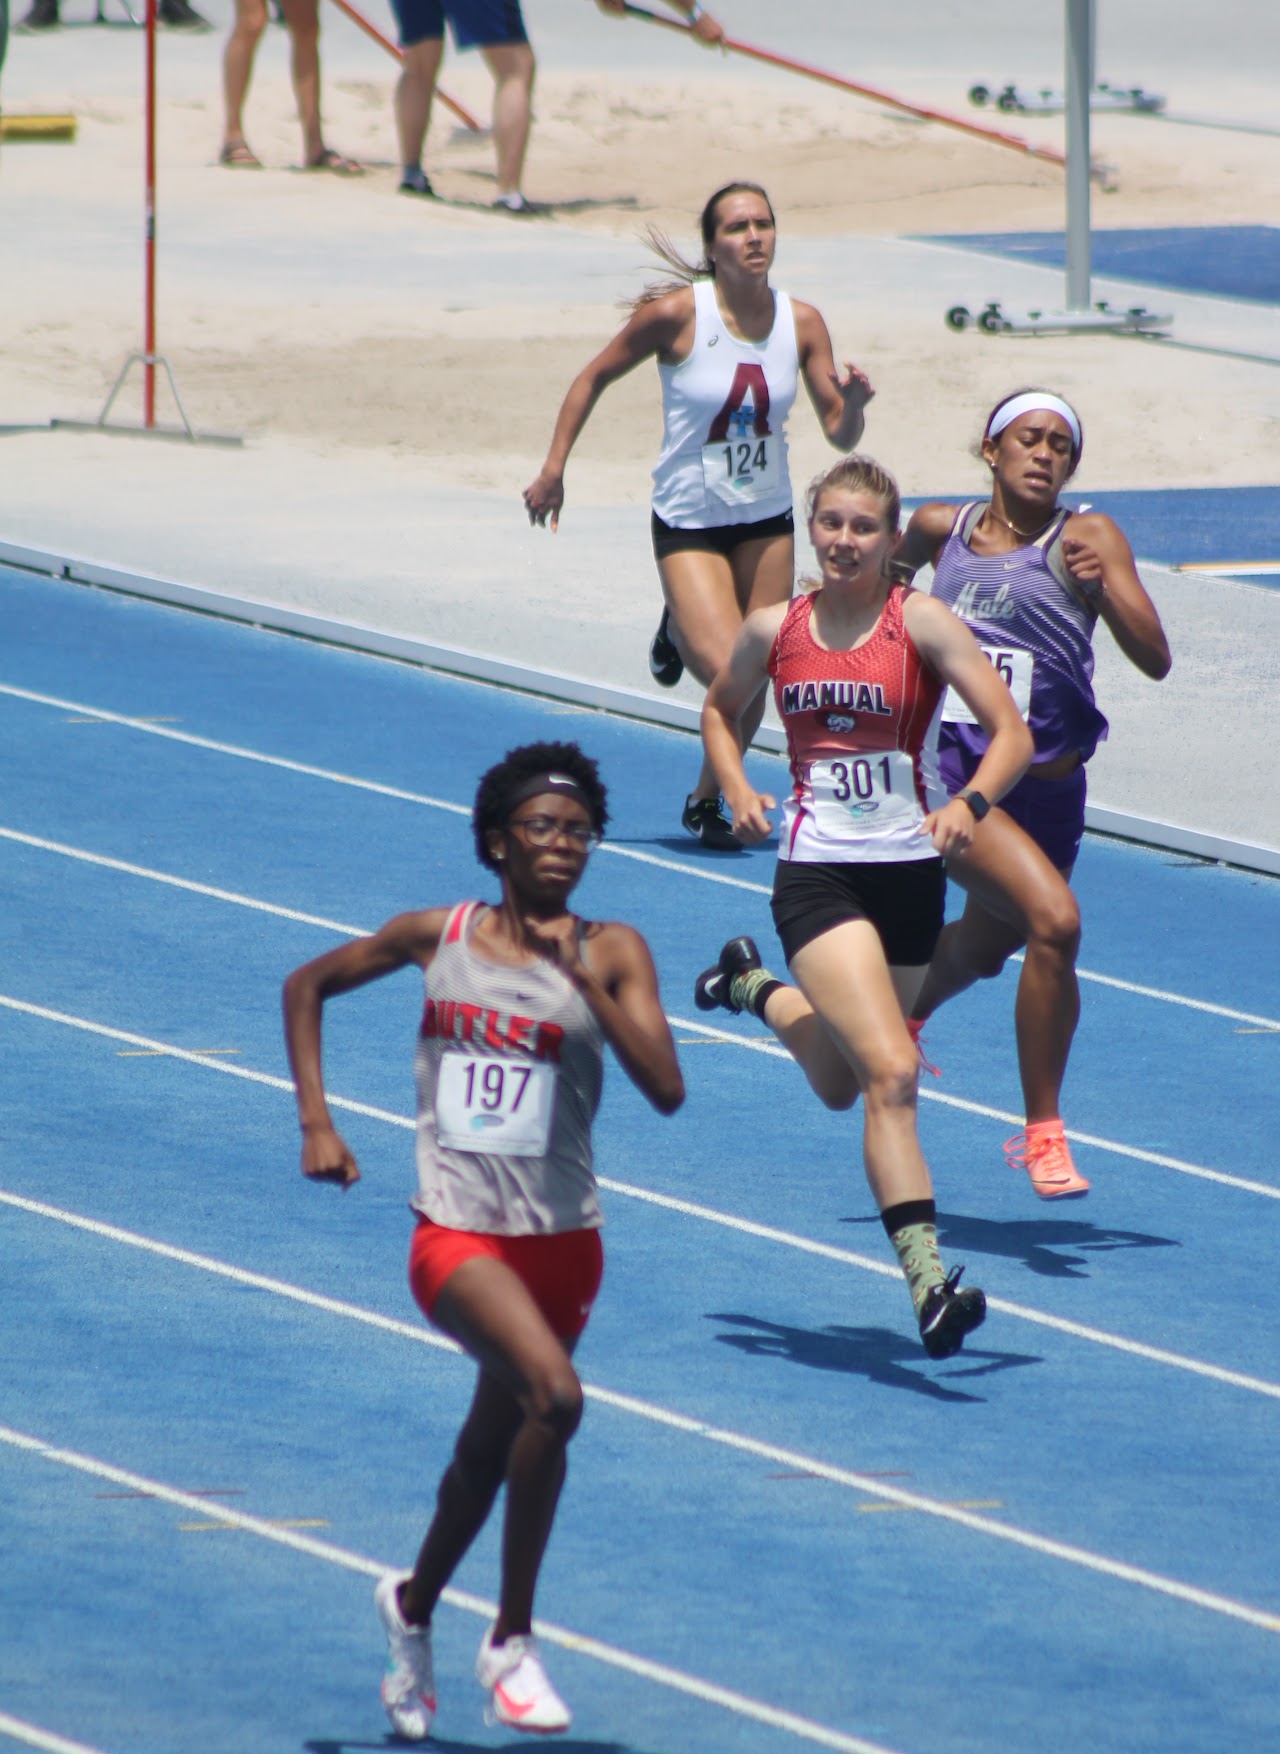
{"x":1036,"y":631}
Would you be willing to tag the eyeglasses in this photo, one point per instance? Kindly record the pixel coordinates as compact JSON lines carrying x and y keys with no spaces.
{"x":543,"y":831}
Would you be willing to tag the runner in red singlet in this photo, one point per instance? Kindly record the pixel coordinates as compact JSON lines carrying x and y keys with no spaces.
{"x":858,"y":670}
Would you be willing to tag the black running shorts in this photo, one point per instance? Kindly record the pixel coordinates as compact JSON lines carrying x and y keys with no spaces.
{"x":720,"y":539}
{"x":904,"y":902}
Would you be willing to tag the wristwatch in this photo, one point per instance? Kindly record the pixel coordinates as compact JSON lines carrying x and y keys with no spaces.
{"x":976,"y":802}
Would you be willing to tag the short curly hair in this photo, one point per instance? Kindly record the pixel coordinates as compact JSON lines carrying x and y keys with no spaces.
{"x":498,"y":787}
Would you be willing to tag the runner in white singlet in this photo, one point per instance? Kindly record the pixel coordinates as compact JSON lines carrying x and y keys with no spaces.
{"x":521,"y":998}
{"x":730,"y":353}
{"x":859,"y":669}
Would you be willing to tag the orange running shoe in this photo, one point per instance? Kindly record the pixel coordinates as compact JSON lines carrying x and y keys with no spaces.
{"x":1043,"y":1152}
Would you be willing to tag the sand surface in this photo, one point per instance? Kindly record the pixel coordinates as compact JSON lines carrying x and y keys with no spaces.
{"x":395,"y":366}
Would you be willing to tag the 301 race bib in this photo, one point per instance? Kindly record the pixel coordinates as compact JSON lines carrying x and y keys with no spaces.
{"x":864,"y":794}
{"x":742,"y":470}
{"x":1014,"y":668}
{"x":494,"y":1104}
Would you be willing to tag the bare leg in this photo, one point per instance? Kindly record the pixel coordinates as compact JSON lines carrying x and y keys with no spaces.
{"x":1015,"y":897}
{"x":512,"y":66}
{"x":414,"y":92}
{"x":791,"y":1017}
{"x":303,"y":19}
{"x":237,"y":66}
{"x":527,"y":1406}
{"x":844,"y":976}
{"x":709,"y":598}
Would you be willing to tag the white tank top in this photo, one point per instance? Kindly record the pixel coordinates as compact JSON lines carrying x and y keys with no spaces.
{"x":725,"y":408}
{"x":509,"y":1066}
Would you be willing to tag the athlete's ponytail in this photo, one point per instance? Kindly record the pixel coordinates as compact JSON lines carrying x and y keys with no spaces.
{"x":684,"y":272}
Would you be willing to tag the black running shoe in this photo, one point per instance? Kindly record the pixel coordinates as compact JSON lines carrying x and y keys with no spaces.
{"x":417,"y":182}
{"x":948,"y":1315}
{"x":42,"y":16}
{"x":713,"y":988}
{"x":706,"y":821}
{"x":178,"y":15}
{"x":666,"y":666}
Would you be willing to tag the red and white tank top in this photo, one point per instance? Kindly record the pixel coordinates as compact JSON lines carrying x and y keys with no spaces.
{"x":725,"y":408}
{"x":862,"y":731}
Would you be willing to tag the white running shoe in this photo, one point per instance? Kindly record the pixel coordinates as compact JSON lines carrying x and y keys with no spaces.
{"x":520,"y":1695}
{"x":408,"y":1687}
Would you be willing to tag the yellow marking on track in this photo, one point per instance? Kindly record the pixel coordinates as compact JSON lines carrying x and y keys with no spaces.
{"x":274,"y":1522}
{"x":952,"y":1503}
{"x":1257,"y":1032}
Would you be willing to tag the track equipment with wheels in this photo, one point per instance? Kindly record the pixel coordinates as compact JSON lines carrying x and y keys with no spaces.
{"x":1021,"y":100}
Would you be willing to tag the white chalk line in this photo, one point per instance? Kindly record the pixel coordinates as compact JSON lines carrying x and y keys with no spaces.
{"x":701,"y":872}
{"x":687,"y":1208}
{"x":752,"y":1043}
{"x":791,"y":1460}
{"x":690,"y":1685}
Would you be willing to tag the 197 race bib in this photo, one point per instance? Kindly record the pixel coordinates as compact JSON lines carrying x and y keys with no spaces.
{"x":742,"y":470}
{"x":1014,"y":669}
{"x":485,"y":1102}
{"x":864,"y":794}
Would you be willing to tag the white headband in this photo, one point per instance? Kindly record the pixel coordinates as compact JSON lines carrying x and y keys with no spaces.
{"x":1009,"y":411}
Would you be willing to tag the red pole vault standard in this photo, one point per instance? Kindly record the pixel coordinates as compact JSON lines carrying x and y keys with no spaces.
{"x":371,"y":30}
{"x":149,"y":318}
{"x":1013,"y":141}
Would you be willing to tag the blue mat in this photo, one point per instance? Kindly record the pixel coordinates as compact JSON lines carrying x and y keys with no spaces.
{"x":1225,"y":261}
{"x":1194,"y":525}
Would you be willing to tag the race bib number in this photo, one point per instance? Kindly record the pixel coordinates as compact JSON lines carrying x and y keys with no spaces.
{"x":742,"y":470}
{"x":864,"y":794}
{"x":497,"y":1105}
{"x":1014,"y":669}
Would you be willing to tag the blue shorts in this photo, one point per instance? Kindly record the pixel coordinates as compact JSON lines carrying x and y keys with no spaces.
{"x":476,"y":24}
{"x":1050,"y":811}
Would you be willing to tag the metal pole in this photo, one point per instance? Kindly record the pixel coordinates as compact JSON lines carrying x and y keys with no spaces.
{"x":1079,"y":35}
{"x":149,"y":331}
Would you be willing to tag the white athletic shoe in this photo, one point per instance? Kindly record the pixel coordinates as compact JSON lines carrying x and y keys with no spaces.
{"x":408,"y":1687}
{"x":520,"y":1695}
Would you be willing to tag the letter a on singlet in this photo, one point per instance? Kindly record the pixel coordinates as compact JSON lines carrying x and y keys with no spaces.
{"x":748,"y":380}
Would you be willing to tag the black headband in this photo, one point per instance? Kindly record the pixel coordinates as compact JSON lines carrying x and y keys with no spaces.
{"x":560,"y":784}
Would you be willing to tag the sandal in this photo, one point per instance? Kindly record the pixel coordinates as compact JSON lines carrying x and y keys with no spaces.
{"x":329,"y":160}
{"x":241,"y":156}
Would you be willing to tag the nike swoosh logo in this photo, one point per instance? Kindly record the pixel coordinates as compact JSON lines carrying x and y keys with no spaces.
{"x":509,"y":1704}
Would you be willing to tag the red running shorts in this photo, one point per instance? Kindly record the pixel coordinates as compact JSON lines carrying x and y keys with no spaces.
{"x":561,"y":1272}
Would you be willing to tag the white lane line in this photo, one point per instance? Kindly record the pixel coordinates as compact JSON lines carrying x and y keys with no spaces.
{"x":690,"y":1685}
{"x":766,"y":1045}
{"x":792,"y":1460}
{"x":607,"y":846}
{"x":204,"y":889}
{"x":686,"y":1208}
{"x":762,"y":1045}
{"x":771,"y":1048}
{"x":35,"y":1737}
{"x":343,"y":779}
